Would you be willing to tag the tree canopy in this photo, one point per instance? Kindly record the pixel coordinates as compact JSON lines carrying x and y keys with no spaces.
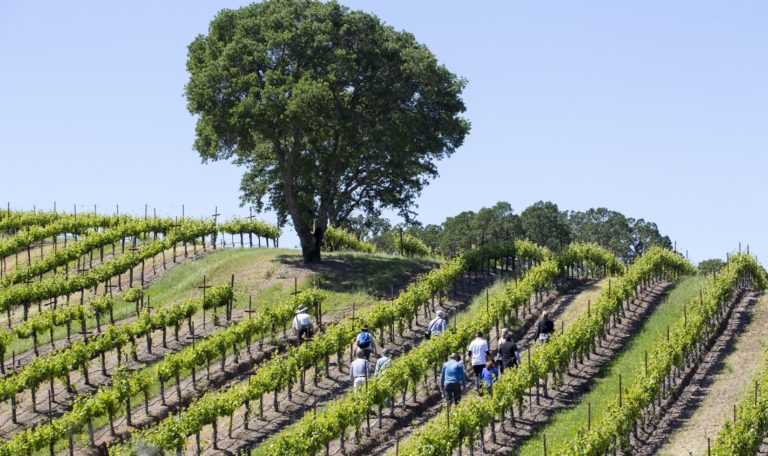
{"x":329,"y":111}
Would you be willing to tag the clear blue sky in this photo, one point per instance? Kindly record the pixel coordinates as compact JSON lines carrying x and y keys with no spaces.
{"x":656,"y":109}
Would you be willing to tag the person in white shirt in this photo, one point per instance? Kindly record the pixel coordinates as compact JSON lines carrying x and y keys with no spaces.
{"x":359,"y":371}
{"x":438,"y":324}
{"x":478,"y":351}
{"x":302,"y":325}
{"x":381,"y":363}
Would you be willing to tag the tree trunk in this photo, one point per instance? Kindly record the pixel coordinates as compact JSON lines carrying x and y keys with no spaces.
{"x":310,"y":245}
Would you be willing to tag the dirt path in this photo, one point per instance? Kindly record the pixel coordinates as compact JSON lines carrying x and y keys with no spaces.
{"x":700,"y":390}
{"x":579,"y":305}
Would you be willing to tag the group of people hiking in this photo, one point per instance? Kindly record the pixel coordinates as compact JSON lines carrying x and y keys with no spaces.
{"x":453,"y":378}
{"x":485,"y":369}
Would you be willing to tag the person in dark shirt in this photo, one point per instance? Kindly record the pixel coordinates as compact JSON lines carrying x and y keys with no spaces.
{"x":545,"y":328}
{"x":508,"y":351}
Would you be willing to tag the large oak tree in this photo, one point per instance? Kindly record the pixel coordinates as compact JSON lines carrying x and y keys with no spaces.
{"x":330,"y":111}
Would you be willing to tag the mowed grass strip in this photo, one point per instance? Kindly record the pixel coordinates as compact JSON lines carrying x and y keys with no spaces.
{"x":603,"y":388}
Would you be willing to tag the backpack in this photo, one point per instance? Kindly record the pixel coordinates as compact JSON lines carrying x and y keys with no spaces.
{"x":364,"y":340}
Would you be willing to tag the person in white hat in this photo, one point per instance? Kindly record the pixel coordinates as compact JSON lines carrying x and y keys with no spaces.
{"x":302,"y":325}
{"x":437,"y":325}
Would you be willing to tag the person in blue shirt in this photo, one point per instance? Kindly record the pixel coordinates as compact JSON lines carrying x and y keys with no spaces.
{"x":452,"y":379}
{"x":490,"y":375}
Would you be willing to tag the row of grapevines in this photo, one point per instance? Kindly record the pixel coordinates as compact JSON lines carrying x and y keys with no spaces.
{"x":16,"y":220}
{"x":68,"y":225}
{"x":80,"y":353}
{"x":52,"y":287}
{"x":109,"y":400}
{"x":88,"y":243}
{"x":575,"y":254}
{"x":280,"y":374}
{"x":244,"y":226}
{"x":478,"y":257}
{"x":410,"y":245}
{"x":745,"y":434}
{"x":341,"y":239}
{"x":475,"y":413}
{"x":685,"y":336}
{"x":310,"y":434}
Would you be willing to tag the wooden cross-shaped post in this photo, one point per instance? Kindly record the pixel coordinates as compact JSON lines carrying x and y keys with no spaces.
{"x":250,"y":310}
{"x":204,"y":288}
{"x":149,"y":305}
{"x":109,"y":287}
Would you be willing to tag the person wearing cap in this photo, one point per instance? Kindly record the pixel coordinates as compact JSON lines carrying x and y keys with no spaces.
{"x":437,"y":325}
{"x":359,"y":370}
{"x":478,"y":351}
{"x":545,"y":328}
{"x":381,"y":363}
{"x":302,"y":324}
{"x":365,"y":342}
{"x":452,"y":379}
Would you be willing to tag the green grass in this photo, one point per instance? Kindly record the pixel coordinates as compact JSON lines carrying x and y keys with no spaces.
{"x":603,"y":387}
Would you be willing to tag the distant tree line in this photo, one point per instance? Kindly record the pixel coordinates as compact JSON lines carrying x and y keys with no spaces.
{"x":543,"y":223}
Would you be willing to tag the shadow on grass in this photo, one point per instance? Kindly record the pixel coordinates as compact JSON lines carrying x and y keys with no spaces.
{"x":378,"y":275}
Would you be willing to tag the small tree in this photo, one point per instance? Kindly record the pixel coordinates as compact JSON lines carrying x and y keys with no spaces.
{"x":329,"y":110}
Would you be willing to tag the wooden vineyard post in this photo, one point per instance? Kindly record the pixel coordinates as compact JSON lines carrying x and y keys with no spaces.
{"x":215,"y":224}
{"x":620,"y":392}
{"x":231,"y":302}
{"x":589,"y":416}
{"x":646,"y":363}
{"x":544,"y":438}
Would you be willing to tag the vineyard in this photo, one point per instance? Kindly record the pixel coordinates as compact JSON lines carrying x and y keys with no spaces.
{"x":126,"y":335}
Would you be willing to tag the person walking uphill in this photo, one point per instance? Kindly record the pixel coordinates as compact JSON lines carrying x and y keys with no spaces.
{"x":490,"y":375}
{"x":453,"y":379}
{"x":508,"y":352}
{"x":366,"y":342}
{"x":478,"y":351}
{"x":546,"y":327}
{"x":302,"y":325}
{"x":382,"y":363}
{"x":437,"y":325}
{"x":359,"y":370}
